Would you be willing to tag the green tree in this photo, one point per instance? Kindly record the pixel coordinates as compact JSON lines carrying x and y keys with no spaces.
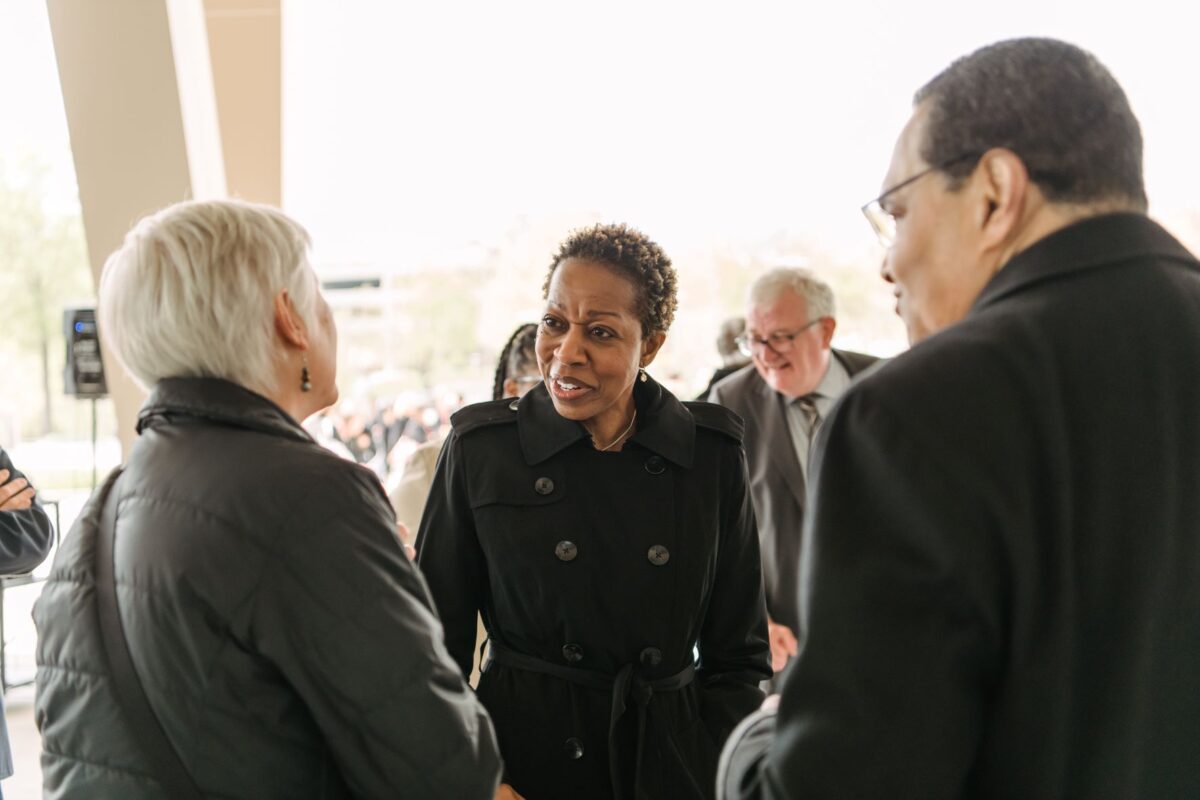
{"x":442,"y":312}
{"x":43,"y":266}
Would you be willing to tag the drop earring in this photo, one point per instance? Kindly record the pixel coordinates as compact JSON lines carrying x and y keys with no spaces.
{"x":305,"y":383}
{"x":643,"y":377}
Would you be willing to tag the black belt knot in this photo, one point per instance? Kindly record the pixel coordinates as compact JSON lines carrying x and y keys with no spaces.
{"x":624,"y":686}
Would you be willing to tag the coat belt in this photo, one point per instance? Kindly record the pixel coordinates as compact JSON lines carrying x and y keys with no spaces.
{"x":625,"y":684}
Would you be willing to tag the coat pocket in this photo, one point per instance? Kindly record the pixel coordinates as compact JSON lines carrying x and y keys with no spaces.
{"x":694,"y":771}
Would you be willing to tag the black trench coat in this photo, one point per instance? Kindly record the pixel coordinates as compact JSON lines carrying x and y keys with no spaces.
{"x":599,"y":575}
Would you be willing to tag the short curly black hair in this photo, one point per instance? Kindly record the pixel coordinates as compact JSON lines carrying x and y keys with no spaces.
{"x":1054,"y":105}
{"x":631,"y":253}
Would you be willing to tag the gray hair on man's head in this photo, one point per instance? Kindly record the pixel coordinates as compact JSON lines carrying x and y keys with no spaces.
{"x":191,"y":291}
{"x":767,"y":288}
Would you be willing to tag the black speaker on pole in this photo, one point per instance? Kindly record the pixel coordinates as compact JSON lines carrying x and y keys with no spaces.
{"x":83,"y":375}
{"x":84,"y":372}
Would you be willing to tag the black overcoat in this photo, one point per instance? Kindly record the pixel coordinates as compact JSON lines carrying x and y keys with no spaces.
{"x":600,"y":576}
{"x":1001,"y":586}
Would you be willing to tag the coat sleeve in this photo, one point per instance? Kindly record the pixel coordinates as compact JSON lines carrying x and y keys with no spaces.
{"x":901,"y":622}
{"x":347,"y":618}
{"x":734,"y":654}
{"x":25,"y":536}
{"x":450,"y":555}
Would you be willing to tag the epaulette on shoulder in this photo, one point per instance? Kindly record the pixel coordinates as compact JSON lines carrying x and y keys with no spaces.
{"x":481,"y":415}
{"x":717,"y":418}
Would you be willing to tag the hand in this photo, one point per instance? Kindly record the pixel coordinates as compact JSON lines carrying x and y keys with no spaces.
{"x":506,"y":792}
{"x":402,"y":532}
{"x":15,"y":495}
{"x":783,"y":644}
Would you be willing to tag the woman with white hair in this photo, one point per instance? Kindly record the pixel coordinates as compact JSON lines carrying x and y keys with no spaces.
{"x":271,"y":639}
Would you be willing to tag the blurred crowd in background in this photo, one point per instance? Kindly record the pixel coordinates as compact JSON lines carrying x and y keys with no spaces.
{"x":382,"y":434}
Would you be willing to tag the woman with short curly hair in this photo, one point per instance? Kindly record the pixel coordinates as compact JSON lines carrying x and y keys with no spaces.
{"x":604,"y":531}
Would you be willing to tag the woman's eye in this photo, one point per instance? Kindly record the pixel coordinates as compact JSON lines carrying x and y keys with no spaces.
{"x":551,"y":324}
{"x":602,"y":333}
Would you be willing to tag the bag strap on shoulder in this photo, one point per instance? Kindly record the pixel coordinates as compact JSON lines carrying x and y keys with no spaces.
{"x":147,"y":729}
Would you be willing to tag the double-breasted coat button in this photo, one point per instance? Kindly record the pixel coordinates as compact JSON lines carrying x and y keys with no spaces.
{"x":572,"y":653}
{"x":650,"y":657}
{"x":658,"y":555}
{"x":655,"y":465}
{"x":514,"y":404}
{"x":543,"y":486}
{"x":566,"y":551}
{"x":573,"y":749}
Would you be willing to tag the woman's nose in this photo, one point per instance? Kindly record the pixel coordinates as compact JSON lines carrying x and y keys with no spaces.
{"x":572,"y":349}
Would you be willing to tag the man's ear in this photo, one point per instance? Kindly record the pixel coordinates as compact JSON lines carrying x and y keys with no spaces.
{"x":650,"y":347}
{"x":288,"y":323}
{"x":1003,"y":185}
{"x":827,"y":325}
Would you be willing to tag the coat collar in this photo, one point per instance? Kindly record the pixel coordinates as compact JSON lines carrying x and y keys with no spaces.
{"x":1085,"y":245}
{"x":665,"y":426}
{"x":218,"y":401}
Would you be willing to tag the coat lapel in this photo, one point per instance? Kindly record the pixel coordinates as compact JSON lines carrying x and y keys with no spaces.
{"x":775,"y":429}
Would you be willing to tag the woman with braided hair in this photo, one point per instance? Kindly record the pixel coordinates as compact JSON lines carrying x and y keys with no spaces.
{"x":604,"y":531}
{"x":516,"y":369}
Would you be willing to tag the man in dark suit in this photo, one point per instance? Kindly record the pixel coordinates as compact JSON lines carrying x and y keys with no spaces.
{"x":791,"y":385}
{"x":1001,"y":588}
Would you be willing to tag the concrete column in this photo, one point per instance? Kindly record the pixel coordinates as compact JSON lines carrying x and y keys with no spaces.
{"x":244,"y":40}
{"x":142,"y":115}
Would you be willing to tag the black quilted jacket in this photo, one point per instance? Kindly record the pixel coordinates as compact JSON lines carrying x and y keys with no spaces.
{"x":288,"y":647}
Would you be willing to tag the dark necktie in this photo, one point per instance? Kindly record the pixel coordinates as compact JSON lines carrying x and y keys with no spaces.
{"x":812,"y":417}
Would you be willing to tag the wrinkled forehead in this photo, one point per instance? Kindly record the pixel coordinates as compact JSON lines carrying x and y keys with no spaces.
{"x":591,"y":287}
{"x":786,"y":310}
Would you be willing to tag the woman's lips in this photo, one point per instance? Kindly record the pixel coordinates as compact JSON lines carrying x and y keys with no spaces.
{"x":567,"y":388}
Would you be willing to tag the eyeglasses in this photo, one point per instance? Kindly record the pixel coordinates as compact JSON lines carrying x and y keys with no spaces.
{"x":882,"y":221}
{"x":781,"y":343}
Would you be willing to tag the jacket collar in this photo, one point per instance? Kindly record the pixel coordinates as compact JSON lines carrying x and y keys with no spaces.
{"x":1085,"y":245}
{"x":219,"y":401}
{"x":665,"y":426}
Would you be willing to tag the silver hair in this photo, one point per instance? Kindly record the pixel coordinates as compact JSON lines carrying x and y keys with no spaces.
{"x":818,"y":297}
{"x":191,"y":291}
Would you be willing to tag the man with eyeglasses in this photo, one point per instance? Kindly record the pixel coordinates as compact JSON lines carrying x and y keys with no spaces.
{"x":793,"y":381}
{"x":1001,"y":595}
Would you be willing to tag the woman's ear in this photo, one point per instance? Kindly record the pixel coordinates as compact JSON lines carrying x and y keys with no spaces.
{"x":288,"y":322}
{"x":650,"y":347}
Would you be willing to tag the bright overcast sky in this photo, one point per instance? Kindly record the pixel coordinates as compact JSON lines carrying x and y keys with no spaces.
{"x":441,"y":122}
{"x":697,"y":122}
